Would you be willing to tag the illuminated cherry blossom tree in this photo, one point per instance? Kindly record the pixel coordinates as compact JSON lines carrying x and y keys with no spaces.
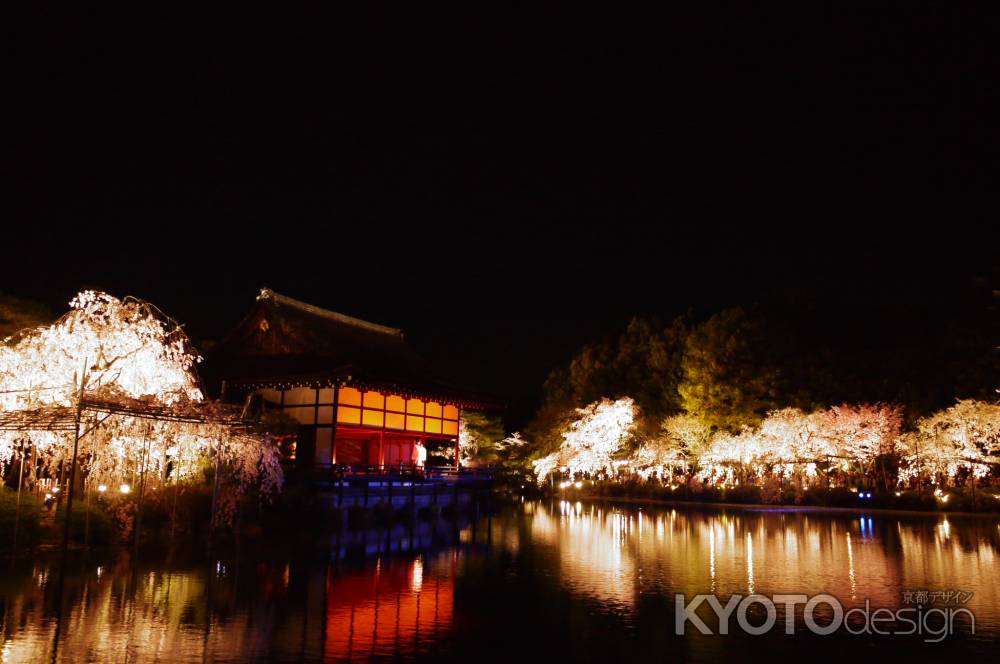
{"x":963,"y":438}
{"x":847,"y":443}
{"x":127,"y":348}
{"x":732,"y":458}
{"x":592,"y":441}
{"x":126,"y":375}
{"x":790,"y":443}
{"x":680,"y":440}
{"x":859,"y":435}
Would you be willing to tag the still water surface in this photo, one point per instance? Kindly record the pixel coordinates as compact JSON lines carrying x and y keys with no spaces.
{"x":555,"y":581}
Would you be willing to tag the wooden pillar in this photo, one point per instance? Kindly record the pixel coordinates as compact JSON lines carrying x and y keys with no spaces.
{"x":333,"y":433}
{"x":489,"y":513}
{"x":458,"y":455}
{"x":17,"y":506}
{"x":72,"y":472}
{"x":142,"y":485}
{"x":381,"y":449}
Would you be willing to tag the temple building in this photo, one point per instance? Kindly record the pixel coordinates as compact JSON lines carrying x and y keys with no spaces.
{"x":359,"y":394}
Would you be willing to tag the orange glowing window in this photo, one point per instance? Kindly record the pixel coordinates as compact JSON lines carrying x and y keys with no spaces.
{"x":349,"y":397}
{"x":372,"y":418}
{"x":396,"y":403}
{"x":433,"y":409}
{"x":374,"y":400}
{"x":450,"y":413}
{"x":415,"y":407}
{"x":394,"y":420}
{"x":433,"y":425}
{"x":271,"y":396}
{"x":414,"y":423}
{"x":326,"y":395}
{"x":348,"y":415}
{"x":450,"y":428}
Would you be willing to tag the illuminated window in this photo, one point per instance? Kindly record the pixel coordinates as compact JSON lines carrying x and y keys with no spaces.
{"x":449,"y":427}
{"x":348,"y":415}
{"x":325,"y":415}
{"x":326,"y":395}
{"x":349,"y":397}
{"x":300,"y":396}
{"x":372,"y":418}
{"x":271,"y":396}
{"x":371,"y":408}
{"x":374,"y":400}
{"x":303,"y":415}
{"x":394,"y":420}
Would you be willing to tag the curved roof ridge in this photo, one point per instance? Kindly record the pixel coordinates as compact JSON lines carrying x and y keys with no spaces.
{"x":268,"y":294}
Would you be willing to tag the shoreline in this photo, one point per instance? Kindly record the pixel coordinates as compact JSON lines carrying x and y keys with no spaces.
{"x":754,"y":507}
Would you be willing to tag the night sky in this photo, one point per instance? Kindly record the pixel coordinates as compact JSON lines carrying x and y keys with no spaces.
{"x":508,"y":184}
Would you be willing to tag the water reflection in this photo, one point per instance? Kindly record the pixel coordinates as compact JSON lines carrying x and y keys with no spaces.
{"x":582,"y":582}
{"x":601,"y":551}
{"x":394,"y":610}
{"x":291,"y":605}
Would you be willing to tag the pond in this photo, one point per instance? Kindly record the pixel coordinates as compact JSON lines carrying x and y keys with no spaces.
{"x":550,"y":580}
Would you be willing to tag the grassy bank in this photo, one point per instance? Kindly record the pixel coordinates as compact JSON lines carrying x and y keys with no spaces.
{"x":28,"y":518}
{"x":949,"y":501}
{"x":180,"y":515}
{"x":38,"y":524}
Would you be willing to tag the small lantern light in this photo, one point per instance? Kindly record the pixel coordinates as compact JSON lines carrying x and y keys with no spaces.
{"x":124,"y":488}
{"x":101,"y":488}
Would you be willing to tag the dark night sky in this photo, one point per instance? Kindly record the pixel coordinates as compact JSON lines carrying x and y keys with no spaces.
{"x":508,"y":184}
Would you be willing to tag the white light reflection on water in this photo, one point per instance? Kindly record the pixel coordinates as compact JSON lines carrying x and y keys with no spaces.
{"x":603,"y":568}
{"x":850,"y":567}
{"x":601,"y":549}
{"x":711,"y":556}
